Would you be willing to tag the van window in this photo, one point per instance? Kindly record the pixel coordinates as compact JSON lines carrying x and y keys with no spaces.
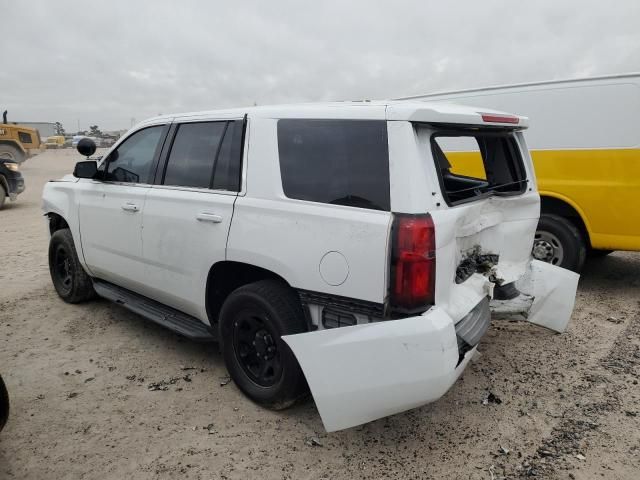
{"x":475,"y":163}
{"x":341,"y":162}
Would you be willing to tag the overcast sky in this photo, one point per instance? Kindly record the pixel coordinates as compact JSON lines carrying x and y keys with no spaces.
{"x":106,"y":62}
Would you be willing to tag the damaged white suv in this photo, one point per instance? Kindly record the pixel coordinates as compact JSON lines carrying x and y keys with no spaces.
{"x":329,"y":247}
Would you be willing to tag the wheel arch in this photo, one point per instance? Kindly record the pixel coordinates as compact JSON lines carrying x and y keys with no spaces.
{"x":56,"y":222}
{"x":556,"y":204}
{"x":13,"y":143}
{"x":226,"y":276}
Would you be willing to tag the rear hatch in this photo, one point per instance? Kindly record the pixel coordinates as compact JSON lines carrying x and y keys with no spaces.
{"x":486,"y":208}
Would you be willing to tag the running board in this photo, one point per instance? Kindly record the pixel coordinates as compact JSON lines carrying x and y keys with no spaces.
{"x":174,"y":320}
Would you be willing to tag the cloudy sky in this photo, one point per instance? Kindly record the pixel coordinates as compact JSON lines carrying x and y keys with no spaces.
{"x":106,"y":62}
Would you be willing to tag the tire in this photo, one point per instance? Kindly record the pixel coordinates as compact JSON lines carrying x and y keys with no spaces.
{"x":559,"y":242}
{"x":263,"y":312}
{"x":69,"y":278}
{"x":3,"y":196}
{"x":9,"y":152}
{"x":4,"y":404}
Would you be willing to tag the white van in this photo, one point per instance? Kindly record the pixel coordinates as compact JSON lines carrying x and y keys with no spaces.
{"x":585,"y":144}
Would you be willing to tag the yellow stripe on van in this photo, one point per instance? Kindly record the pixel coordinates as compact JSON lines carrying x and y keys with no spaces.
{"x":603,"y":185}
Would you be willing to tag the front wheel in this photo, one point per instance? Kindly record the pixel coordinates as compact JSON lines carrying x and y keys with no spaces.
{"x":253,"y":320}
{"x":69,"y":278}
{"x":3,"y":196}
{"x":559,"y":242}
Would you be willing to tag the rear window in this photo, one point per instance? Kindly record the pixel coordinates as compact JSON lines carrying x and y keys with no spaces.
{"x":471,"y":163}
{"x":341,"y":162}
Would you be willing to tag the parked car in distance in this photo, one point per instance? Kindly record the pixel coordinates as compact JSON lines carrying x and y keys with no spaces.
{"x":585,"y":145}
{"x":324,"y":246}
{"x":11,"y":181}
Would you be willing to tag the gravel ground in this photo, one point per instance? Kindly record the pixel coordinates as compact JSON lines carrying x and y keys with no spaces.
{"x":98,"y":392}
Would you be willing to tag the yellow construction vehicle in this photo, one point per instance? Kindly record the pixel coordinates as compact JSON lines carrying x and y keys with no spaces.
{"x":17,"y":142}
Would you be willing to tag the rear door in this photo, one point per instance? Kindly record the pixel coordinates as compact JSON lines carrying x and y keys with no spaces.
{"x":188,"y":212}
{"x":111,"y":209}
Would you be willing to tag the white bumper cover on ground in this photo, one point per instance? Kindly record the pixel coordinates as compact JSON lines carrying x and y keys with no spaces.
{"x":361,"y":373}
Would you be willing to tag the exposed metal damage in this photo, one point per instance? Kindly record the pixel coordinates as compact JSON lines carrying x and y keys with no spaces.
{"x":475,"y":261}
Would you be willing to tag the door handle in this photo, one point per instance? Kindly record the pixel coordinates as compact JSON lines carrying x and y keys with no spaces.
{"x":130,"y":207}
{"x":209,"y":217}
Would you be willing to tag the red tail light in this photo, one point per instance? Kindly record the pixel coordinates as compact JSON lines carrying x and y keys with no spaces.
{"x":413,"y":262}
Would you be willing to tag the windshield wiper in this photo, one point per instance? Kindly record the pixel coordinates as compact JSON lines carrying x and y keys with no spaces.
{"x":478,"y":189}
{"x":490,"y":188}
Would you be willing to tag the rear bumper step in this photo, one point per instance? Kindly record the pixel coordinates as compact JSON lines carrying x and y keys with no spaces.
{"x":168,"y":317}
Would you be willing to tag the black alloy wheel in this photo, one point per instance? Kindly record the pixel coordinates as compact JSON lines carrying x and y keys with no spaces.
{"x":256,"y":349}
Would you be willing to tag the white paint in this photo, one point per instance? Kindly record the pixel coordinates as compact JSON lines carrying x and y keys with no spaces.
{"x":554,"y":292}
{"x":361,"y":373}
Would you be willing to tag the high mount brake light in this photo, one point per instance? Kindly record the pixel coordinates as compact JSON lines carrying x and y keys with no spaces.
{"x":493,"y":118}
{"x":413,"y":263}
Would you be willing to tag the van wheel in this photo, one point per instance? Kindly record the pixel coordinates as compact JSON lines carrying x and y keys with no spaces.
{"x":253,"y":320}
{"x":559,"y":242}
{"x":3,"y":196}
{"x":69,"y":278}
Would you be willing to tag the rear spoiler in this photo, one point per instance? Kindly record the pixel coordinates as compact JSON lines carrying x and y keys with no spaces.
{"x":449,"y":114}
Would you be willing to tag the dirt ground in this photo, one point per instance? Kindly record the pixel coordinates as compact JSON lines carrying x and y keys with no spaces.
{"x":98,"y":392}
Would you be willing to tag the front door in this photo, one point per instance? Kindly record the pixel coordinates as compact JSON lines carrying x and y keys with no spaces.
{"x":111,"y":210}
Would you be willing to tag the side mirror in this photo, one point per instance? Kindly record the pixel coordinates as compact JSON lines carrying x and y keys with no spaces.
{"x":86,"y":147}
{"x":86,"y":169}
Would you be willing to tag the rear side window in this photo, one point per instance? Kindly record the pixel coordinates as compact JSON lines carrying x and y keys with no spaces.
{"x":472,"y":164}
{"x":341,"y":162}
{"x":193,"y":154}
{"x":205,"y":155}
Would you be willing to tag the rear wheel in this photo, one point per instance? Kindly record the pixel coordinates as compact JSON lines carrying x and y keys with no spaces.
{"x":253,"y":320}
{"x":3,"y":196}
{"x":559,"y":242}
{"x":10,"y":152}
{"x":69,"y":278}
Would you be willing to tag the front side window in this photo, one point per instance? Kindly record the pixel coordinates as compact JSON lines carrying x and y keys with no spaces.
{"x":341,"y":162}
{"x":131,"y":162}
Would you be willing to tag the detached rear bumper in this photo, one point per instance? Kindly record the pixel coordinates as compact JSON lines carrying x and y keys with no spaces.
{"x":361,"y":373}
{"x":365,"y":372}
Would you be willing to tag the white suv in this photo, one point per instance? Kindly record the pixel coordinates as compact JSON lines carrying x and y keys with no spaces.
{"x":329,"y":247}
